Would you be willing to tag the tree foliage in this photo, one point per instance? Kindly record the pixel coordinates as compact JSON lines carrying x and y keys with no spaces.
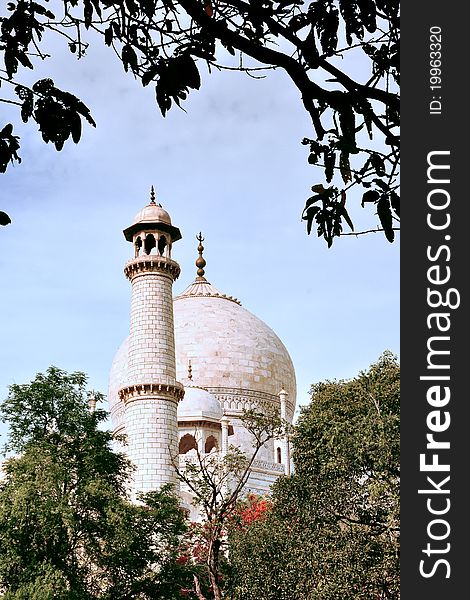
{"x":354,"y":117}
{"x":67,"y":528}
{"x":332,"y":531}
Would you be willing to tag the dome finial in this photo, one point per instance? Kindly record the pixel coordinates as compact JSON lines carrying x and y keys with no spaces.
{"x":200,"y":262}
{"x":152,"y":195}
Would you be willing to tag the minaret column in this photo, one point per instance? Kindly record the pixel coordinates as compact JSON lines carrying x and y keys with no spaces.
{"x":152,"y":392}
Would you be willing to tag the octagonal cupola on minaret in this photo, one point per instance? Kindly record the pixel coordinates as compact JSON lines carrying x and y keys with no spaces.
{"x":152,"y":232}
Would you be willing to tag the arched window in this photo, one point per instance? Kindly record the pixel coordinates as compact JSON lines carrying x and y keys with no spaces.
{"x":187,"y":443}
{"x":161,"y":244}
{"x":279,"y":456}
{"x":138,"y":245}
{"x":211,"y":442}
{"x":149,"y":243}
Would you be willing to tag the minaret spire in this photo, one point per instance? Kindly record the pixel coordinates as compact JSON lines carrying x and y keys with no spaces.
{"x":152,"y":195}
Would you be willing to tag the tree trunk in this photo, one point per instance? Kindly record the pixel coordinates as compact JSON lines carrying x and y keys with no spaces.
{"x":213,"y":565}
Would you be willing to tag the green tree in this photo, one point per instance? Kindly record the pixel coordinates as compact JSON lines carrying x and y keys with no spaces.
{"x":354,"y":117}
{"x":332,"y":532}
{"x":67,"y":528}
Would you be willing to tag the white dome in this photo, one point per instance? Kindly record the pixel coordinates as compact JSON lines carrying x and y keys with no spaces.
{"x":233,"y":353}
{"x":152,"y":213}
{"x":199,"y":404}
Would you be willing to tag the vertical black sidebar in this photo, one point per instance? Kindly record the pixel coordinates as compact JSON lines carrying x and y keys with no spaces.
{"x":435,"y":409}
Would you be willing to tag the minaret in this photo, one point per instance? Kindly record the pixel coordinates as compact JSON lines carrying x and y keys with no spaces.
{"x":152,"y":392}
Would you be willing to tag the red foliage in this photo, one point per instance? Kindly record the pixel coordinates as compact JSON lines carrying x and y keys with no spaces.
{"x":255,"y":508}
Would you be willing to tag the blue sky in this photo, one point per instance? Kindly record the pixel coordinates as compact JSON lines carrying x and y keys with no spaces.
{"x":231,"y":166}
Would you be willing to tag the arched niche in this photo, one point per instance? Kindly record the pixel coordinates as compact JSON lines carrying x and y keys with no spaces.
{"x":187,"y":443}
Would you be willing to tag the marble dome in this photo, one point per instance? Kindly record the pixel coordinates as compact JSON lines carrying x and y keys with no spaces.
{"x":233,"y":353}
{"x":152,"y":213}
{"x":199,"y":404}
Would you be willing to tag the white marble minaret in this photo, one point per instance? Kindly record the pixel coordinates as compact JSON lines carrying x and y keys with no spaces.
{"x":151,"y":393}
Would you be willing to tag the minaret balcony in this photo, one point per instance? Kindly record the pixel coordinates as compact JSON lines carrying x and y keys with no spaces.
{"x":152,"y":263}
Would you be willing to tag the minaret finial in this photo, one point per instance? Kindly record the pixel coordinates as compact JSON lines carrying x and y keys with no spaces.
{"x":200,"y":262}
{"x":152,"y":195}
{"x":190,"y":371}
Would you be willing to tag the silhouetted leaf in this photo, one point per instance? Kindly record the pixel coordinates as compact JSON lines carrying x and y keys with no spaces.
{"x":309,"y":216}
{"x":129,"y":58}
{"x":395,"y":202}
{"x":75,"y":127}
{"x":385,"y":217}
{"x":330,"y":161}
{"x":108,"y":35}
{"x":41,"y":10}
{"x":313,"y":199}
{"x":149,"y":75}
{"x":370,"y":196}
{"x":189,"y":71}
{"x":325,"y":17}
{"x":4,"y":218}
{"x":26,"y":95}
{"x":87,"y":12}
{"x":11,"y":62}
{"x":345,"y":167}
{"x":381,"y":184}
{"x":7,"y":130}
{"x":347,"y":218}
{"x":131,"y":6}
{"x":24,"y":60}
{"x":9,"y":146}
{"x":378,"y":163}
